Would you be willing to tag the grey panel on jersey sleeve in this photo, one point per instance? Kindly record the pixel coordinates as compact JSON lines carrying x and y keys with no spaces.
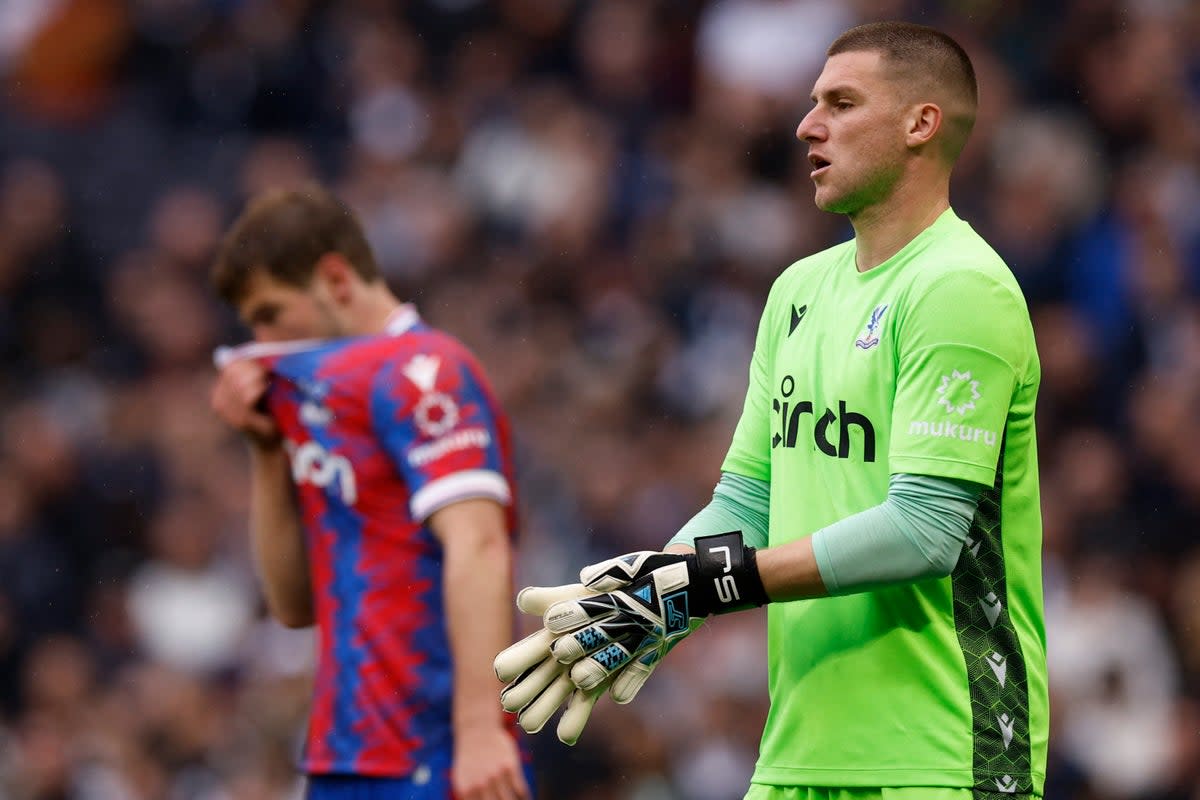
{"x":916,"y":533}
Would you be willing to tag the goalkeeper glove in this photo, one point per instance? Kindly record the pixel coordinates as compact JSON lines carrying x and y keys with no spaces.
{"x":650,"y":603}
{"x":637,"y":608}
{"x":537,"y":682}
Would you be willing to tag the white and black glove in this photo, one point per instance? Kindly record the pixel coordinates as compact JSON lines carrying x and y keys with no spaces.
{"x":616,"y":626}
{"x":537,"y":682}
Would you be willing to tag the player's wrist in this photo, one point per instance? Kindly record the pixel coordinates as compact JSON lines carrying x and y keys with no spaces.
{"x":724,"y":575}
{"x":478,"y":719}
{"x":264,"y":447}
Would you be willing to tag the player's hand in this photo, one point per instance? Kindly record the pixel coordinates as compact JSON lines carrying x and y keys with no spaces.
{"x":239,"y":388}
{"x":487,"y":765}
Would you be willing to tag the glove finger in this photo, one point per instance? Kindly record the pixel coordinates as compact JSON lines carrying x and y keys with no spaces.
{"x":517,"y":658}
{"x":534,"y":716}
{"x":570,"y":647}
{"x":579,"y":710}
{"x":589,"y":673}
{"x":635,"y":634}
{"x":630,"y":680}
{"x":525,"y":689}
{"x":536,"y":599}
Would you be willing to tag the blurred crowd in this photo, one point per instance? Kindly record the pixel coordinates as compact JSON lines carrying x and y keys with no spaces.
{"x":595,"y":195}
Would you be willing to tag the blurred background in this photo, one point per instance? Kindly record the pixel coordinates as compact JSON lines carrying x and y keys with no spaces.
{"x":595,"y":196}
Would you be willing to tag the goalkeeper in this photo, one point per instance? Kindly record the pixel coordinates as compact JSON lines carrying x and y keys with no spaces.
{"x":883,"y":474}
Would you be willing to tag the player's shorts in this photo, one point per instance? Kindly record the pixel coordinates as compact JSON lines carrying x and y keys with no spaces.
{"x":759,"y":791}
{"x":423,"y":786}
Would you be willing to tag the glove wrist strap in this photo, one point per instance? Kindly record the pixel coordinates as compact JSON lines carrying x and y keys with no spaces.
{"x":726,"y":574}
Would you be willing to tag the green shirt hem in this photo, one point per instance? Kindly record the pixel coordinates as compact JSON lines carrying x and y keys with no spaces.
{"x":943,"y":468}
{"x":951,"y":779}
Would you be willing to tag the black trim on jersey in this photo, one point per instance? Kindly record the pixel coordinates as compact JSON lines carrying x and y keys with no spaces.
{"x":996,"y":672}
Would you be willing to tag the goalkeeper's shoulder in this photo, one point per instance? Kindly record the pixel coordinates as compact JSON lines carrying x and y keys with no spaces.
{"x":961,"y":257}
{"x":817,"y":262}
{"x":807,"y":271}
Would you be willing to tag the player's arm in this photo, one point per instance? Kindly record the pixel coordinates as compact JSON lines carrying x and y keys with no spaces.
{"x":964,"y":349}
{"x":461,"y":495}
{"x":277,"y":539}
{"x":477,"y":576}
{"x":739,"y":503}
{"x":276,"y":536}
{"x":915,"y":534}
{"x":645,"y":603}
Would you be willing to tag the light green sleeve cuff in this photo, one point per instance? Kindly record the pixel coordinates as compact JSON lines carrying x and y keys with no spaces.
{"x":739,"y":504}
{"x":915,"y":534}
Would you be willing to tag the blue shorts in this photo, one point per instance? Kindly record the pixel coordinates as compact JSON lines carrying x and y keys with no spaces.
{"x":429,"y":785}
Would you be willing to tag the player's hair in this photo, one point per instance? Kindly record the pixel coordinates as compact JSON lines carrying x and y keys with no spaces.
{"x":925,"y":59}
{"x":284,"y":233}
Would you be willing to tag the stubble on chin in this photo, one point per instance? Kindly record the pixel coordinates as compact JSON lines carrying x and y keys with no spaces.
{"x":832,"y":203}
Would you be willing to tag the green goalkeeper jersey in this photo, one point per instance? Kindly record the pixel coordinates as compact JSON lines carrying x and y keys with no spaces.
{"x":926,"y":365}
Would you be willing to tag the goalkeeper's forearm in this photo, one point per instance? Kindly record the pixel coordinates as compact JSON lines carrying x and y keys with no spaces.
{"x":916,"y":533}
{"x":738,"y":504}
{"x":636,"y":607}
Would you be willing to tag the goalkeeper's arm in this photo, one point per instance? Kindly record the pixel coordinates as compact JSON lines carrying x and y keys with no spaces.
{"x":916,"y":533}
{"x":614,"y":627}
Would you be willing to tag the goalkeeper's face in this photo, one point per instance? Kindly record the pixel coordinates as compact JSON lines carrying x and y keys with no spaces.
{"x":854,"y":133}
{"x":276,"y":311}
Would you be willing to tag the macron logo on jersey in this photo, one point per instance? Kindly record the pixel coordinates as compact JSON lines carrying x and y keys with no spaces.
{"x":436,"y":413}
{"x":422,"y":370}
{"x":1006,"y":728}
{"x":992,"y":606}
{"x":313,"y":410}
{"x":797,"y":315}
{"x":999,"y":665}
